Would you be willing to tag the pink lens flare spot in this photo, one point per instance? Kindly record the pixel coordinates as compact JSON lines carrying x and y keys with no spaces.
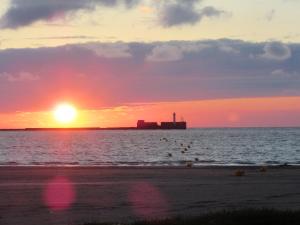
{"x":59,"y":194}
{"x":147,"y":201}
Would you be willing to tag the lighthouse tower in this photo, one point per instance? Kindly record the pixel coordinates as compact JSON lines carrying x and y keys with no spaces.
{"x":174,"y":118}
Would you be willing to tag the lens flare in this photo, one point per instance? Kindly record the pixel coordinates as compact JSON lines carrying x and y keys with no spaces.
{"x":147,"y":201}
{"x":59,"y":194}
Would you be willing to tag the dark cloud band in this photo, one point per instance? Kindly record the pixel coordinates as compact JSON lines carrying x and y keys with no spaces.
{"x":110,"y":74}
{"x":22,"y":13}
{"x":25,"y":12}
{"x":177,"y":13}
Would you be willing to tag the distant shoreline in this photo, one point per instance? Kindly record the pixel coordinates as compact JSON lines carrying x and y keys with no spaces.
{"x":82,"y":129}
{"x":70,"y":129}
{"x":129,"y":128}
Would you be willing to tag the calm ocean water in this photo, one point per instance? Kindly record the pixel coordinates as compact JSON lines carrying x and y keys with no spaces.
{"x":245,"y":146}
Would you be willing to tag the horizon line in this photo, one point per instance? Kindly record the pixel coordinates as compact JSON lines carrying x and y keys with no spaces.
{"x":131,"y":128}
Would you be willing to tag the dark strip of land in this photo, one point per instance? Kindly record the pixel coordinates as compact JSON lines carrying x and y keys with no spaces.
{"x":84,"y":129}
{"x":70,"y":129}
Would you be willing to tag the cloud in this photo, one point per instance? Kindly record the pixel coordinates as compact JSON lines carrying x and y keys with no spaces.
{"x":20,"y":77}
{"x":210,"y":11}
{"x":283,"y":73}
{"x":175,"y":52}
{"x":113,"y":50}
{"x":25,"y":12}
{"x":21,"y":13}
{"x":276,"y":51}
{"x":100,"y":75}
{"x":165,"y":53}
{"x":228,"y":49}
{"x":177,"y":13}
{"x":63,"y":37}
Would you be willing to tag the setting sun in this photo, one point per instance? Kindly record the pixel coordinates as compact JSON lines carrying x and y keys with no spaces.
{"x":65,"y":113}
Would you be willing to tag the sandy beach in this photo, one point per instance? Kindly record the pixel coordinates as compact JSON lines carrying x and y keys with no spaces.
{"x":76,"y":195}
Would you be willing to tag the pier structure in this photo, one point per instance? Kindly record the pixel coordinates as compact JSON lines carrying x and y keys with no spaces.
{"x":174,"y":125}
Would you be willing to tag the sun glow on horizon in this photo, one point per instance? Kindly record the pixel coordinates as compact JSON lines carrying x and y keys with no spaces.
{"x":65,"y":113}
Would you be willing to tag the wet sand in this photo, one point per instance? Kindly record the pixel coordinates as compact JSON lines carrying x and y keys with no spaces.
{"x":75,"y":195}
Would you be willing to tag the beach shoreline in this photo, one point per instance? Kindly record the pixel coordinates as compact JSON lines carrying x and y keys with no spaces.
{"x":114,"y":194}
{"x":145,"y":166}
{"x":160,"y":167}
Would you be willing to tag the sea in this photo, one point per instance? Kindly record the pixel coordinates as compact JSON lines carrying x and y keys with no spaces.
{"x":203,"y":147}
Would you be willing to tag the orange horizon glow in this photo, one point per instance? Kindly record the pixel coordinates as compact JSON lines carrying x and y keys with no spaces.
{"x":243,"y":112}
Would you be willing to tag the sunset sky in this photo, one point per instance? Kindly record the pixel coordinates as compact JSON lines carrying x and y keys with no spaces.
{"x":216,"y":63}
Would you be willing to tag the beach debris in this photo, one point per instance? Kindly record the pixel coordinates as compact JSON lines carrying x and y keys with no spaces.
{"x":189,"y":164}
{"x":239,"y":173}
{"x":263,"y":169}
{"x":164,"y":139}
